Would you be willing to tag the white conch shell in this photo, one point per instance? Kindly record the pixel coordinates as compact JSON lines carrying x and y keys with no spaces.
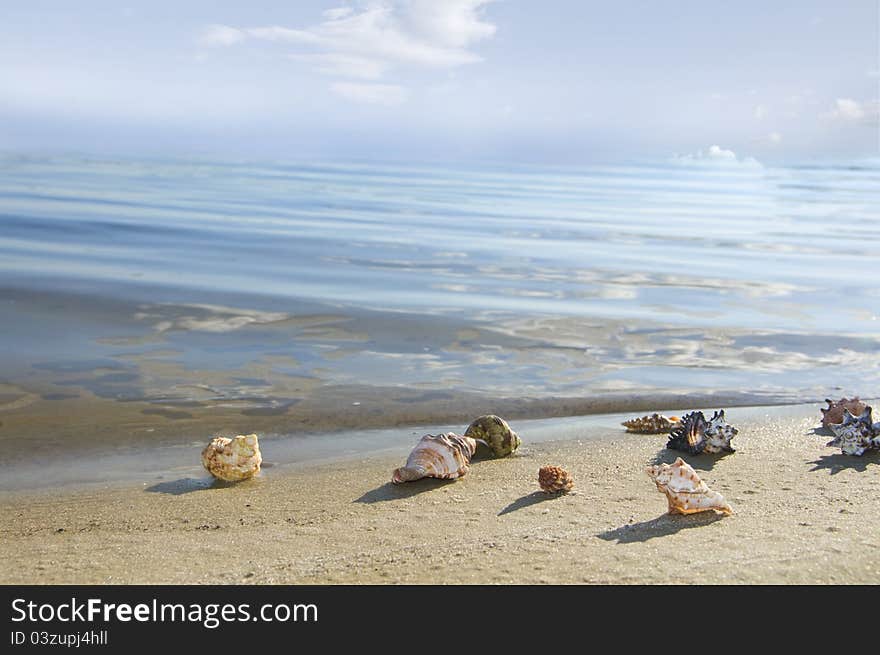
{"x":684,"y":489}
{"x":446,"y":456}
{"x":233,"y":459}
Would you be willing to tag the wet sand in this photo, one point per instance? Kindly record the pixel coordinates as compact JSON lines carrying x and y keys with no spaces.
{"x":55,"y":426}
{"x":804,"y":513}
{"x":88,"y":371}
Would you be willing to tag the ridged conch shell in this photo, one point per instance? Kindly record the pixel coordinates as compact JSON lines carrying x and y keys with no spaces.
{"x":555,"y":479}
{"x":685,"y":491}
{"x":496,"y":433}
{"x":445,"y":456}
{"x":696,"y":435}
{"x":855,"y":434}
{"x":833,"y":414}
{"x":233,"y":459}
{"x":653,"y":424}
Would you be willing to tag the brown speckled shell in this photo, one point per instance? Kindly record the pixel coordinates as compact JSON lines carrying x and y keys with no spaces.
{"x":555,"y":479}
{"x":833,"y":414}
{"x":653,"y":424}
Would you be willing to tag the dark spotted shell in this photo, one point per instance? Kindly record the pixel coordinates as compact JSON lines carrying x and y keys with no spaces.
{"x":696,"y":435}
{"x":855,"y":434}
{"x":719,"y":434}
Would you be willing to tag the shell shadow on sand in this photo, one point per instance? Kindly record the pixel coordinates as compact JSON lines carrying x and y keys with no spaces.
{"x":188,"y":485}
{"x":704,"y":462}
{"x":837,"y":462}
{"x":662,"y":526}
{"x":390,"y":491}
{"x":529,"y":499}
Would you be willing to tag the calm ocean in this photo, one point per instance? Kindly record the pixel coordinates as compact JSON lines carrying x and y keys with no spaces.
{"x":264,"y":285}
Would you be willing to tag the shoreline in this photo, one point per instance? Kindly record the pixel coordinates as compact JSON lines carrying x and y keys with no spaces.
{"x":804,"y":513}
{"x":72,"y":458}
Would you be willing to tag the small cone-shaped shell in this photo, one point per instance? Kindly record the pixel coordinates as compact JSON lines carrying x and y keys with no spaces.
{"x":834,"y":413}
{"x":445,"y":456}
{"x":554,"y":479}
{"x":653,"y":424}
{"x":685,"y":491}
{"x":496,"y":433}
{"x":233,"y":459}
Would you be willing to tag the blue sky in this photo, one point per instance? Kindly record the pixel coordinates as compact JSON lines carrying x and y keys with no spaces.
{"x":555,"y":81}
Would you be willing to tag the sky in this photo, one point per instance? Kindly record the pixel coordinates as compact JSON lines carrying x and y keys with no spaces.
{"x":559,"y":81}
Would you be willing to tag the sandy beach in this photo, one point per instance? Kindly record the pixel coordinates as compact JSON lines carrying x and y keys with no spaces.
{"x":342,"y":226}
{"x":804,"y":513}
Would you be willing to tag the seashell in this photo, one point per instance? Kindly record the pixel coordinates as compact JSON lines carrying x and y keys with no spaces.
{"x":685,"y":492}
{"x":690,"y":435}
{"x":855,"y":434}
{"x":696,"y":435}
{"x":496,"y":433}
{"x":555,"y":479}
{"x":445,"y":456}
{"x":233,"y":459}
{"x":834,"y":412}
{"x":719,"y":434}
{"x":653,"y":424}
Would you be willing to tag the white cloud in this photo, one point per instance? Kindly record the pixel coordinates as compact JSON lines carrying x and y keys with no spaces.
{"x":220,"y":35}
{"x":374,"y":94}
{"x":451,"y":23}
{"x":715,"y":155}
{"x":760,"y":112}
{"x":344,"y":65}
{"x":719,"y":153}
{"x":379,"y":35}
{"x":775,"y":138}
{"x":847,"y":110}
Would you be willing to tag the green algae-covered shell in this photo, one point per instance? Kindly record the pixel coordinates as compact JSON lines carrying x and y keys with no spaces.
{"x":496,"y":433}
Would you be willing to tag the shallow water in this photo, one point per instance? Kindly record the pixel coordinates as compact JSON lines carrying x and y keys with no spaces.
{"x":324,"y":290}
{"x":176,"y":468}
